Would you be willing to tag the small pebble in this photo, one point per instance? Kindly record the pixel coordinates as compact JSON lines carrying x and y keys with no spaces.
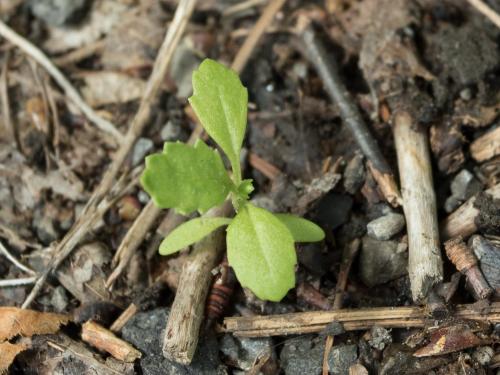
{"x":142,"y":147}
{"x":129,"y":208}
{"x":380,"y":338}
{"x":59,"y":12}
{"x":170,"y":132}
{"x":381,"y":261}
{"x":59,"y":299}
{"x":466,"y":94}
{"x":483,"y":355}
{"x":386,"y":226}
{"x":341,"y":358}
{"x":354,"y":174}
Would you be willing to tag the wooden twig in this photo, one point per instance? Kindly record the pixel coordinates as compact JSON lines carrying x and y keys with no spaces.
{"x":351,"y":319}
{"x":241,"y":6}
{"x":466,"y":262}
{"x":103,"y":339}
{"x":124,"y":317}
{"x":17,"y":282}
{"x":132,"y":240}
{"x":317,"y":54}
{"x":256,"y":33}
{"x":348,"y":256}
{"x":97,"y":205}
{"x":486,"y":146}
{"x":16,"y":262}
{"x":79,"y":54}
{"x":263,"y":166}
{"x":34,"y":52}
{"x":486,"y":10}
{"x":4,"y":97}
{"x":425,"y":266}
{"x":186,"y":314}
{"x":462,"y":221}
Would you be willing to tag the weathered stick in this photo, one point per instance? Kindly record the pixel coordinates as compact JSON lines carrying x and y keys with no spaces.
{"x":462,"y":221}
{"x":466,"y":262}
{"x":33,"y":51}
{"x":351,"y":319}
{"x":103,"y":339}
{"x":93,"y":210}
{"x":186,"y":314}
{"x":486,"y":10}
{"x":486,"y":146}
{"x":318,"y":55}
{"x":133,"y":240}
{"x":425,"y":266}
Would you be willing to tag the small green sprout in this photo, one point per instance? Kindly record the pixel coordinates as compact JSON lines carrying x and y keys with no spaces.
{"x":260,"y":244}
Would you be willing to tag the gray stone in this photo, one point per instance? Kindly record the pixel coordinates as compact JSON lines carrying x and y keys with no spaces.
{"x":184,"y":62}
{"x":59,"y":12}
{"x":341,"y":358}
{"x":483,"y":355}
{"x":380,"y":337}
{"x":354,"y":174}
{"x":59,"y":299}
{"x":465,"y":185}
{"x":142,"y":147}
{"x":386,"y":226}
{"x":244,"y":352}
{"x":170,"y":132}
{"x":303,"y":355}
{"x":145,"y":331}
{"x":381,"y":261}
{"x":488,"y":256}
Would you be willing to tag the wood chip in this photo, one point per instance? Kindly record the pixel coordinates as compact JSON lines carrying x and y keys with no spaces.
{"x":105,"y":340}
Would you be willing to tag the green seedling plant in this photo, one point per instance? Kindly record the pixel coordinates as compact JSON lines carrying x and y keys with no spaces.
{"x":260,"y":244}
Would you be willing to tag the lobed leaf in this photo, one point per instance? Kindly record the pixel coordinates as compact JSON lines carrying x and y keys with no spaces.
{"x":261,"y":251}
{"x":187,"y":178}
{"x":220,"y":102}
{"x":302,"y":230}
{"x":190,"y":232}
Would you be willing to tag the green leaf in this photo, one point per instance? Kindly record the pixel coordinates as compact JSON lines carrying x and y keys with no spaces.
{"x":220,"y":102}
{"x":190,"y":232}
{"x":302,"y":230}
{"x":187,"y":178}
{"x":261,"y":251}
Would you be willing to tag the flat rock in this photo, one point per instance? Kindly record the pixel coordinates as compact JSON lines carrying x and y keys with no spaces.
{"x":386,"y":226}
{"x":341,"y":358}
{"x":244,"y":352}
{"x":302,"y":355}
{"x":145,"y":331}
{"x":382,"y":261}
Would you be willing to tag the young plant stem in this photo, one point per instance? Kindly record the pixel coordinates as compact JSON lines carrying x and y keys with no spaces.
{"x":317,"y":53}
{"x":425,"y":267}
{"x":351,"y":319}
{"x":187,"y":311}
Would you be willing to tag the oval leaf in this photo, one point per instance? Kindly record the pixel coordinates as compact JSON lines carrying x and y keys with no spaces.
{"x":187,"y":178}
{"x":261,"y":251}
{"x":302,"y":230}
{"x":190,"y":232}
{"x":220,"y":102}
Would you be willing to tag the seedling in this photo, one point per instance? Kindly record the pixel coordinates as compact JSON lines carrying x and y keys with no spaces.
{"x":260,"y":244}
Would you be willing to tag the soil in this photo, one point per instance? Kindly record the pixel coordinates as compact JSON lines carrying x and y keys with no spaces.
{"x":438,"y":60}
